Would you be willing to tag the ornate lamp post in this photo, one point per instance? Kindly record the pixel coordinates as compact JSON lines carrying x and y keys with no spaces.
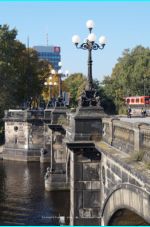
{"x":60,"y":74}
{"x":50,"y":103}
{"x":88,"y":97}
{"x":49,"y":85}
{"x":60,"y":102}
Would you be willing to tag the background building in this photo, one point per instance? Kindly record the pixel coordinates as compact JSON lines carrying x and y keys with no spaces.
{"x":51,"y":53}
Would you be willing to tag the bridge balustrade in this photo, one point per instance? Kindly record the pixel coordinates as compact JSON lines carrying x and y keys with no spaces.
{"x":127,"y":137}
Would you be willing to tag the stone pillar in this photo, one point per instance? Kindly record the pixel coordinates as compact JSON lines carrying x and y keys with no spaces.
{"x":58,"y":112}
{"x":58,"y":149}
{"x":67,"y":165}
{"x":137,"y":144}
{"x":46,"y":152}
{"x":85,"y":186}
{"x":108,"y":130}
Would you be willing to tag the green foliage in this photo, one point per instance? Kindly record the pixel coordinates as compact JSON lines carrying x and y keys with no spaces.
{"x":127,"y":77}
{"x":72,"y":110}
{"x":10,"y":51}
{"x":137,"y":156}
{"x":38,"y":71}
{"x":75,"y":83}
{"x":62,"y":121}
{"x":147,"y":165}
{"x":1,"y":130}
{"x":14,"y":70}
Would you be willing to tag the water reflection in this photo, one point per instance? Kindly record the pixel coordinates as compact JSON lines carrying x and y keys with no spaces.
{"x":23,"y":199}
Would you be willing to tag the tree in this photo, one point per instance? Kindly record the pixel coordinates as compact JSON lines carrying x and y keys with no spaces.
{"x":128,"y":76}
{"x":38,"y":70}
{"x":75,"y":83}
{"x":14,"y":70}
{"x":46,"y":89}
{"x":10,"y":50}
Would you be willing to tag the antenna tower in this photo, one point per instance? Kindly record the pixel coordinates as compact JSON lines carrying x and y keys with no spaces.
{"x":46,"y":35}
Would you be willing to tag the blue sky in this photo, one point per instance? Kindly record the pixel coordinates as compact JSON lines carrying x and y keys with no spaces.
{"x":125,"y":24}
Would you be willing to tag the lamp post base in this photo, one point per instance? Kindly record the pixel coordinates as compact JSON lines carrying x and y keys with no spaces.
{"x":50,"y":105}
{"x":59,"y":110}
{"x":89,"y":98}
{"x":60,"y":102}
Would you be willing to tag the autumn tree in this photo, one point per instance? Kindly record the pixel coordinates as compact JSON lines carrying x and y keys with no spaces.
{"x":38,"y":70}
{"x":54,"y":88}
{"x":14,"y":70}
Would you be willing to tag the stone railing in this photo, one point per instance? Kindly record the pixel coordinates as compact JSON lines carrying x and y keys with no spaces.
{"x":23,"y":114}
{"x":15,"y":113}
{"x":35,"y":114}
{"x":127,"y":137}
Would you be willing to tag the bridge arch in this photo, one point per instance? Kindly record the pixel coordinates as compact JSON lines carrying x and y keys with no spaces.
{"x":126,"y":197}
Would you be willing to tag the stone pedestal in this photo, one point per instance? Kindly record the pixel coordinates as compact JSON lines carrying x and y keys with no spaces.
{"x":59,"y":110}
{"x":24,"y":135}
{"x":47,"y":113}
{"x":56,"y":182}
{"x":87,"y":123}
{"x":85,"y":184}
{"x":58,"y":149}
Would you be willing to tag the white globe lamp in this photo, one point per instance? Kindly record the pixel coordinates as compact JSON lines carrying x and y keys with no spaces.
{"x":67,"y":72}
{"x":92,"y":37}
{"x":103,"y":40}
{"x":75,"y":39}
{"x":90,"y":24}
{"x":60,"y":64}
{"x":60,"y":71}
{"x":53,"y":71}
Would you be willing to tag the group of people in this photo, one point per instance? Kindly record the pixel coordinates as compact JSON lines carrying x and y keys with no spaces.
{"x":143,"y":112}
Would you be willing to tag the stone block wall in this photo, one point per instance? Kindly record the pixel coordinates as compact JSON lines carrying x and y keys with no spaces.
{"x":58,"y":149}
{"x":127,"y":137}
{"x":36,"y":135}
{"x":23,"y":140}
{"x":85,"y":184}
{"x":16,"y":138}
{"x":114,"y":174}
{"x":123,"y":136}
{"x":144,"y":137}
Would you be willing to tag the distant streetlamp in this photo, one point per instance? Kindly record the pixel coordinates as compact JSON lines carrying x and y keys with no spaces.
{"x":50,"y":102}
{"x":60,"y":102}
{"x":60,"y":74}
{"x":89,"y":44}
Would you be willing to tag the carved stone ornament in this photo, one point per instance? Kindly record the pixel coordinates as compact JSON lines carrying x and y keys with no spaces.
{"x":89,"y":98}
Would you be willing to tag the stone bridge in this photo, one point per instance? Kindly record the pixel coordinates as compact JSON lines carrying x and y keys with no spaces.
{"x":109,"y":176}
{"x":103,"y":161}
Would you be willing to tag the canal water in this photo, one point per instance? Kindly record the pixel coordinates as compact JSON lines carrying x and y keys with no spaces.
{"x":23,"y":199}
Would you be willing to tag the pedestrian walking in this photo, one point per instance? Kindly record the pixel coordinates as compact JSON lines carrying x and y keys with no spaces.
{"x":142,"y":113}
